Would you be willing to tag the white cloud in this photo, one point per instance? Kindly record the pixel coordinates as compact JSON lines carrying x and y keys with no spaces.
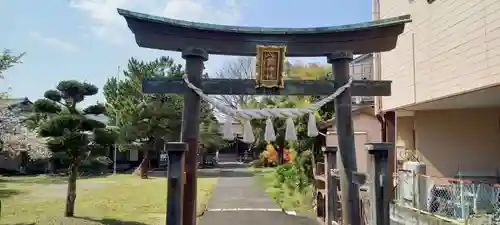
{"x":105,"y":22}
{"x":108,"y":25}
{"x":54,"y":42}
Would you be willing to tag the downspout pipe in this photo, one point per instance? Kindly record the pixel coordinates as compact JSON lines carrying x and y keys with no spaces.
{"x":377,"y":75}
{"x":377,"y":61}
{"x":383,"y":126}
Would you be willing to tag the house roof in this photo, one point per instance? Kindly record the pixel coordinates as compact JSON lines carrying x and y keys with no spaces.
{"x":236,"y":128}
{"x":13,"y":102}
{"x":360,"y":58}
{"x":101,"y":118}
{"x":355,"y":111}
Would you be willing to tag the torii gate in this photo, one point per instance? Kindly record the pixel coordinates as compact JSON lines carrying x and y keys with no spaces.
{"x":337,"y":43}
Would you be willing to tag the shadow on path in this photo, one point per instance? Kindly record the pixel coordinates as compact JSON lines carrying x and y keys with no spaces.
{"x":211,"y":173}
{"x":6,"y":193}
{"x":232,"y":165}
{"x":86,"y":220}
{"x":227,"y":170}
{"x":224,"y":173}
{"x":222,"y":170}
{"x":46,"y":179}
{"x":255,"y":218}
{"x":111,"y":221}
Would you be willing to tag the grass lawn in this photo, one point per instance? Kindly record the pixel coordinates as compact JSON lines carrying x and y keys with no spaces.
{"x":119,"y":199}
{"x":288,"y":199}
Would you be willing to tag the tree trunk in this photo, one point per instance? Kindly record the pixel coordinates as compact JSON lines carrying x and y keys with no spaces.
{"x":143,"y":168}
{"x":281,"y":155}
{"x":71,"y":194}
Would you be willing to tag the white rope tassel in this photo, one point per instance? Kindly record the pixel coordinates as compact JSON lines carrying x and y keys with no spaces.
{"x":312,"y":130}
{"x":269,"y":134}
{"x":227,"y":131}
{"x":248,"y":136}
{"x":290,"y":132}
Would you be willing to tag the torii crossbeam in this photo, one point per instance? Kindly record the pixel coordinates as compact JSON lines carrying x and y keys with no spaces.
{"x":247,"y":87}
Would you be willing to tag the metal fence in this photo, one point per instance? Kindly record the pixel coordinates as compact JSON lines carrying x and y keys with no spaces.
{"x":366,"y":210}
{"x":457,"y":199}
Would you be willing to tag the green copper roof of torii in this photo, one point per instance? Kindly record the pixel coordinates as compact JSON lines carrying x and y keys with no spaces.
{"x":264,"y":30}
{"x":178,"y":35}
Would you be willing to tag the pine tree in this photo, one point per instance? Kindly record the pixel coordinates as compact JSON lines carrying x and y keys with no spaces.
{"x":70,"y":132}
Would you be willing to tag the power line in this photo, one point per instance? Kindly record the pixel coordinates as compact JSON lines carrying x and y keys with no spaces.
{"x":116,"y":119}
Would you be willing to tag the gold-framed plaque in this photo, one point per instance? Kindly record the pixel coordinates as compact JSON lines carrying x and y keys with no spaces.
{"x":270,"y":65}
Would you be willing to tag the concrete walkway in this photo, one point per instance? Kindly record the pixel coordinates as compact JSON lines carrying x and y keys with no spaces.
{"x":237,"y":199}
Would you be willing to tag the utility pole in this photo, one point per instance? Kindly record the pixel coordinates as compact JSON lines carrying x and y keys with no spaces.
{"x":116,"y":120}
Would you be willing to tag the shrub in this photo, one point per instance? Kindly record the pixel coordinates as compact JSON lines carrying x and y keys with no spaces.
{"x":296,"y":175}
{"x":38,"y":166}
{"x":305,"y":163}
{"x":256,"y":163}
{"x":291,"y":177}
{"x":284,"y":172}
{"x":96,"y":165}
{"x":270,"y":153}
{"x":268,"y":158}
{"x":287,"y":155}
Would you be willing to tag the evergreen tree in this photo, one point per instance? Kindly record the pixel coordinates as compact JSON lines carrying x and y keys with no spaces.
{"x":146,"y":121}
{"x":70,"y":132}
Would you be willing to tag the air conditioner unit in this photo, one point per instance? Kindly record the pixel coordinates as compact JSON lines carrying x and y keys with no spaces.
{"x":412,"y":187}
{"x":358,"y":100}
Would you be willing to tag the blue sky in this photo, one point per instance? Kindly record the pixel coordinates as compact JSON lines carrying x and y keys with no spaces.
{"x":86,"y":39}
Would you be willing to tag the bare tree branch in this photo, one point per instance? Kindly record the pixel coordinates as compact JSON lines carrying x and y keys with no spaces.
{"x":8,"y":60}
{"x":241,"y":68}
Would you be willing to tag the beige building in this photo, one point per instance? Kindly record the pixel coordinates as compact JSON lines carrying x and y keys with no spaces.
{"x":366,"y":130}
{"x":445,"y":92}
{"x":361,"y":68}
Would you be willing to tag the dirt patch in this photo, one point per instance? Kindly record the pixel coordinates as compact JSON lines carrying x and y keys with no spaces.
{"x":59,"y":190}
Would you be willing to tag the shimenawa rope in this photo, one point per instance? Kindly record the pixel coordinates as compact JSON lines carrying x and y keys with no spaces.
{"x":248,"y":114}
